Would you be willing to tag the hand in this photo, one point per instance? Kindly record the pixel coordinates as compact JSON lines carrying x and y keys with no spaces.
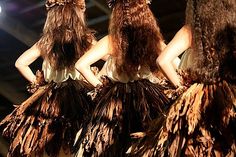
{"x":40,"y":78}
{"x":181,"y":89}
{"x":39,"y":81}
{"x":93,"y":94}
{"x":105,"y":81}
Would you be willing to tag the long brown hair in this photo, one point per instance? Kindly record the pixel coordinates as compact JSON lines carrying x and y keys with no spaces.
{"x":213,"y":24}
{"x":65,"y":35}
{"x":135,"y":36}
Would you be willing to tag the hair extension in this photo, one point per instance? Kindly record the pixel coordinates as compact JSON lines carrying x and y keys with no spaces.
{"x":213,"y":24}
{"x":65,"y":35}
{"x":135,"y":36}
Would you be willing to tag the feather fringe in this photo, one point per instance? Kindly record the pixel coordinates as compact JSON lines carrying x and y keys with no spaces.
{"x":122,"y":108}
{"x":201,"y":123}
{"x":49,"y":119}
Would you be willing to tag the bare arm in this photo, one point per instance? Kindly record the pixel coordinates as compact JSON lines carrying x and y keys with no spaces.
{"x":97,"y":52}
{"x":176,"y":61}
{"x":103,"y":58}
{"x":23,"y":62}
{"x":178,"y":45}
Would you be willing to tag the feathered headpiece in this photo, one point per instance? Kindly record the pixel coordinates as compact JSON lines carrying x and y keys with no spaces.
{"x":51,"y":3}
{"x":111,"y":3}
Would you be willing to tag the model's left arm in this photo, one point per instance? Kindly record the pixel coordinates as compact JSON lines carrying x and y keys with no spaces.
{"x":176,"y":61}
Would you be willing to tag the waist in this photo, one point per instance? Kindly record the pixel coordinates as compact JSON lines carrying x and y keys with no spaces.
{"x":61,"y":76}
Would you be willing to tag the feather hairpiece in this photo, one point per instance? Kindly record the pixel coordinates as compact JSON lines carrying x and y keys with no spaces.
{"x":51,"y":3}
{"x":111,"y":3}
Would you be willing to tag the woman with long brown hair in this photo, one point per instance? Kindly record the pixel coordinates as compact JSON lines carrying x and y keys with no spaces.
{"x":48,"y":121}
{"x":131,"y":95}
{"x":202,"y":122}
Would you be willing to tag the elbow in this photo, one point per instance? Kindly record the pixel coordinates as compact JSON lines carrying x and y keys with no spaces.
{"x":18,"y":64}
{"x":161,"y":62}
{"x":80,"y":66}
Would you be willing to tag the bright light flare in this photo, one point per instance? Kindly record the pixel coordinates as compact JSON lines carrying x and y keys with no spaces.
{"x":0,"y":9}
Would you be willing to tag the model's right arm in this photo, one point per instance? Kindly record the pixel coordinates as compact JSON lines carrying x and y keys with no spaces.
{"x":97,"y":52}
{"x":23,"y":62}
{"x":176,"y":61}
{"x":103,"y":58}
{"x":181,"y":41}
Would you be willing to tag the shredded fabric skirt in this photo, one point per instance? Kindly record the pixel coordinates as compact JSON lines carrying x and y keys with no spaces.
{"x":121,"y":108}
{"x":201,"y":123}
{"x":48,"y":120}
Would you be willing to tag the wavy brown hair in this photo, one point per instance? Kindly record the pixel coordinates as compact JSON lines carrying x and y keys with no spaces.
{"x":135,"y":36}
{"x":65,"y":35}
{"x":213,"y":24}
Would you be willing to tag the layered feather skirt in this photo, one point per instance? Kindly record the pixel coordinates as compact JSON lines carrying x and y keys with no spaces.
{"x":121,"y":109}
{"x":47,"y":122}
{"x":201,"y":123}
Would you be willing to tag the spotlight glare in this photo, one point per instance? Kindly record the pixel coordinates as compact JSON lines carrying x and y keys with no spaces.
{"x":0,"y":9}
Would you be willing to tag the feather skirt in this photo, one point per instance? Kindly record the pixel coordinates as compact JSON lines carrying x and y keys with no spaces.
{"x":121,"y":108}
{"x":201,"y":123}
{"x":48,"y":120}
